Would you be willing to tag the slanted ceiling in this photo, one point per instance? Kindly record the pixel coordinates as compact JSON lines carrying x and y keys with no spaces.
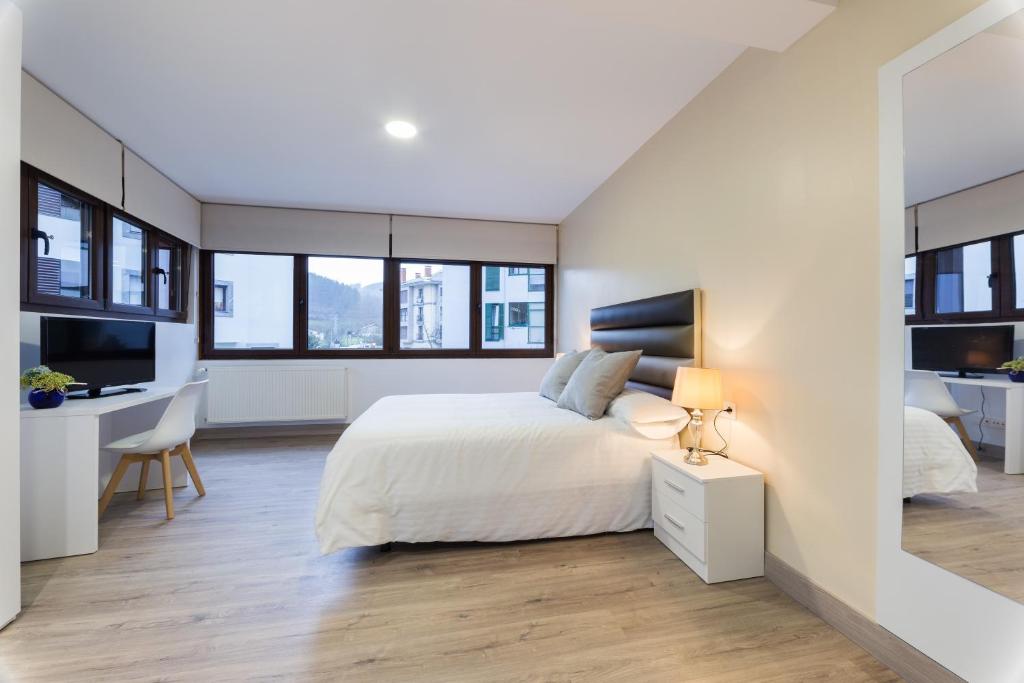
{"x":524,"y":106}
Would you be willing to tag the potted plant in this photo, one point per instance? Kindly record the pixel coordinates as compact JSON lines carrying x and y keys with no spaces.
{"x":1016,"y":368}
{"x":48,"y":388}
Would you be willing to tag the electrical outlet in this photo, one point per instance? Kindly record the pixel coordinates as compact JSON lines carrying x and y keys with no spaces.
{"x":994,"y":422}
{"x":729,"y":415}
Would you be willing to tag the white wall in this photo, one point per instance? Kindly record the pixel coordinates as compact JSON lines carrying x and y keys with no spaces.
{"x":10,"y":142}
{"x":764,"y":191}
{"x":374,"y":378}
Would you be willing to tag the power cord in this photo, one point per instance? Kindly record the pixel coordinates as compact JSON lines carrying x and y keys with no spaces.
{"x":981,"y":423}
{"x":723,"y":451}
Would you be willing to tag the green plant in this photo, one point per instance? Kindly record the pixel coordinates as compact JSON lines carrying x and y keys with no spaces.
{"x":45,"y":379}
{"x":1016,"y":365}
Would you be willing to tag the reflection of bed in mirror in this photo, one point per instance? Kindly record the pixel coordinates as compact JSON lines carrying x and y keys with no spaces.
{"x":934,"y":459}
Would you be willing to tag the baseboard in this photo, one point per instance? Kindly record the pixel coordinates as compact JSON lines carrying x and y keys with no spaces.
{"x":897,"y":654}
{"x":269,"y":431}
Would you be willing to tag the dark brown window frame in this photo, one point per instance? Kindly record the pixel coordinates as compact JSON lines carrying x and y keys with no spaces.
{"x":391,"y":349}
{"x":1003,"y":289}
{"x":102,"y":215}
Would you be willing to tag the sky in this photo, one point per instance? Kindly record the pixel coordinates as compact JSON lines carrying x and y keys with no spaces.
{"x":349,"y":271}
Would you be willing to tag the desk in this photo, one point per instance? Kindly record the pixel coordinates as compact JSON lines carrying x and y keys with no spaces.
{"x":1014,"y":463}
{"x":61,"y":467}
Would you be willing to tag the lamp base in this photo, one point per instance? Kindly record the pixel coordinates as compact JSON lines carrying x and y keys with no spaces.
{"x":695,"y":456}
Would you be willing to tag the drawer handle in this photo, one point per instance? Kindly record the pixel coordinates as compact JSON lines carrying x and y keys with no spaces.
{"x":675,"y":487}
{"x":675,"y":522}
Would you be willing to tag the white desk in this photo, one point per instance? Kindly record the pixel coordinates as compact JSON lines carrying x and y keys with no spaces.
{"x":1014,"y":463}
{"x":61,"y":476}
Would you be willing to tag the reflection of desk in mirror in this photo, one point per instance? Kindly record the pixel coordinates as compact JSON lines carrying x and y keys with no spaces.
{"x":1014,"y":416}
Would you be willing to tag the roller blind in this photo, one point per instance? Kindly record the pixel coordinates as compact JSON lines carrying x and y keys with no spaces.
{"x":294,"y":231}
{"x":469,"y":240}
{"x":996,"y":208}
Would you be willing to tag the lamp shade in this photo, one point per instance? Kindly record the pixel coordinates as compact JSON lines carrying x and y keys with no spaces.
{"x":698,"y":388}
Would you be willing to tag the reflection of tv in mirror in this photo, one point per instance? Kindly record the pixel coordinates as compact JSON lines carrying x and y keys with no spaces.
{"x":961,"y":350}
{"x":99,"y":353}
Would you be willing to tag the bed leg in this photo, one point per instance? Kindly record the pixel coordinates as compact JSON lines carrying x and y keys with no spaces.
{"x":385,"y":548}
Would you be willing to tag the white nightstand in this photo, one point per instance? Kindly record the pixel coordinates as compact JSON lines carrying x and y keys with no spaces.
{"x":710,"y":516}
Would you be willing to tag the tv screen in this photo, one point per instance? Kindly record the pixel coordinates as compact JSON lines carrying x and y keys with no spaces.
{"x":99,"y":353}
{"x":961,"y":349}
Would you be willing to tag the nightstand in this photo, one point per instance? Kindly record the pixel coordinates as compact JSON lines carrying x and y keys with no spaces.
{"x":710,"y":516}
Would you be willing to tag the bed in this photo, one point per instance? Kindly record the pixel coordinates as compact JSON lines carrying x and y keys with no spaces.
{"x":507,"y":466}
{"x":934,"y":458}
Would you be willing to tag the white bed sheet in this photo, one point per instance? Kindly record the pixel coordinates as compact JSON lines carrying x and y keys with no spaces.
{"x":934,"y":459}
{"x":482,"y":467}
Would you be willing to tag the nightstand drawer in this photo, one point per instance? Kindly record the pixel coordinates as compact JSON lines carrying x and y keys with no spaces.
{"x":671,"y":485}
{"x":689,"y":531}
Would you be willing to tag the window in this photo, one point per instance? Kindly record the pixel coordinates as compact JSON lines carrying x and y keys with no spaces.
{"x":296,"y":306}
{"x":128,"y":264}
{"x":1018,"y":272}
{"x":524,"y":296}
{"x":494,"y":322}
{"x":346,"y":303}
{"x":910,"y":285}
{"x":80,"y":255}
{"x":963,"y":279}
{"x":492,"y":276}
{"x":62,"y":244}
{"x":257,"y":306}
{"x":437,"y":302}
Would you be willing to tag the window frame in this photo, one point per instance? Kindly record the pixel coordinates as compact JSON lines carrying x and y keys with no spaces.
{"x":102,"y":215}
{"x":391,"y":286}
{"x":1003,"y":290}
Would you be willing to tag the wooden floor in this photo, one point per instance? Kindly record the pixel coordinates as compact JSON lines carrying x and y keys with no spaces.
{"x":979,"y":536}
{"x":234,"y":589}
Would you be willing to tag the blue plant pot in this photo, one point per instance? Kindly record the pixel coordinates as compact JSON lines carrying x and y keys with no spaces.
{"x":39,"y":399}
{"x":1017,"y":376}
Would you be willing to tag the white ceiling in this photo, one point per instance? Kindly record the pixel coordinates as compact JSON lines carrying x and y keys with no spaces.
{"x":964,"y":114}
{"x":524,"y":106}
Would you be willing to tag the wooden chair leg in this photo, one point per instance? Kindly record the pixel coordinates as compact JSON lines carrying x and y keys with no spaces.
{"x":115,"y":479}
{"x":190,"y":465}
{"x":165,"y":458}
{"x":143,"y":480}
{"x":962,"y":430}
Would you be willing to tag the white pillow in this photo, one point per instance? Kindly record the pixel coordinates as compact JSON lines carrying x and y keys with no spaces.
{"x":650,"y":416}
{"x":659,"y":430}
{"x":639,"y":406}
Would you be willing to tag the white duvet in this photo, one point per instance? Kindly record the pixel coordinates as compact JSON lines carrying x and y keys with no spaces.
{"x":482,"y":467}
{"x":934,"y":459}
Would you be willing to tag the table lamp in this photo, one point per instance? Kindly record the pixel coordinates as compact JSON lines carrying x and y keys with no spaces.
{"x":697,"y":390}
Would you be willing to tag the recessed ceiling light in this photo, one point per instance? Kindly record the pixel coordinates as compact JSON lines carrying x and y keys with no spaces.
{"x":401,"y":129}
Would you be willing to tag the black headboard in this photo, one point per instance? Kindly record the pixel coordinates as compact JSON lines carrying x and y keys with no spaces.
{"x":666,"y":328}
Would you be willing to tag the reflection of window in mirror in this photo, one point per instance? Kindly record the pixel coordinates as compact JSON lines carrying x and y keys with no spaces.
{"x":963,"y":297}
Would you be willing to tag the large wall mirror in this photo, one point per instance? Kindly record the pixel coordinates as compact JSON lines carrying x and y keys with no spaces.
{"x":963,"y":456}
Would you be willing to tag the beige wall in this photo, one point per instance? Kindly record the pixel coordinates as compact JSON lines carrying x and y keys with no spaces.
{"x":764,"y":192}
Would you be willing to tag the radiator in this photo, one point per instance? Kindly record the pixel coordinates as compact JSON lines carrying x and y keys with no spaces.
{"x":261,"y":393}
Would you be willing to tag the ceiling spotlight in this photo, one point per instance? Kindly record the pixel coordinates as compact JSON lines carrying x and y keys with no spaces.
{"x":401,"y":129}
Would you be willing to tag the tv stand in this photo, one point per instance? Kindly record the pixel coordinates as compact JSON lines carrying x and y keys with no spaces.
{"x":99,"y":393}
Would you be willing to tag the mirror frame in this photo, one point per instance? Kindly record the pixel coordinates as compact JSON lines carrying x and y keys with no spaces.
{"x":967,"y":628}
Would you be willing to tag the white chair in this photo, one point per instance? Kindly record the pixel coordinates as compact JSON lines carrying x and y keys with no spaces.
{"x":926,"y":390}
{"x":170,"y":437}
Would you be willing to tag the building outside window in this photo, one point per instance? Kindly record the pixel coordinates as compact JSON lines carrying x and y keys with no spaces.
{"x":62,"y":238}
{"x":435,"y":297}
{"x":520,"y":291}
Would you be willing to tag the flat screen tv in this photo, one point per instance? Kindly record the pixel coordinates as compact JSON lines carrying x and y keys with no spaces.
{"x":961,"y":349}
{"x":99,"y":353}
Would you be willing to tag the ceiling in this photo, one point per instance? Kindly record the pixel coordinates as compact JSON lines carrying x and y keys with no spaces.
{"x":524,"y":106}
{"x":964,"y":114}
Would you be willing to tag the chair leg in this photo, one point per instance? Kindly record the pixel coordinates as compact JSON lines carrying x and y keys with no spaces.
{"x":165,"y":458}
{"x":143,"y":480}
{"x":190,"y":465}
{"x":962,"y":430}
{"x":115,"y":479}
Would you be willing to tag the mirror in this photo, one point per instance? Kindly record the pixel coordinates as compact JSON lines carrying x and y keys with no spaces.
{"x":963,"y":459}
